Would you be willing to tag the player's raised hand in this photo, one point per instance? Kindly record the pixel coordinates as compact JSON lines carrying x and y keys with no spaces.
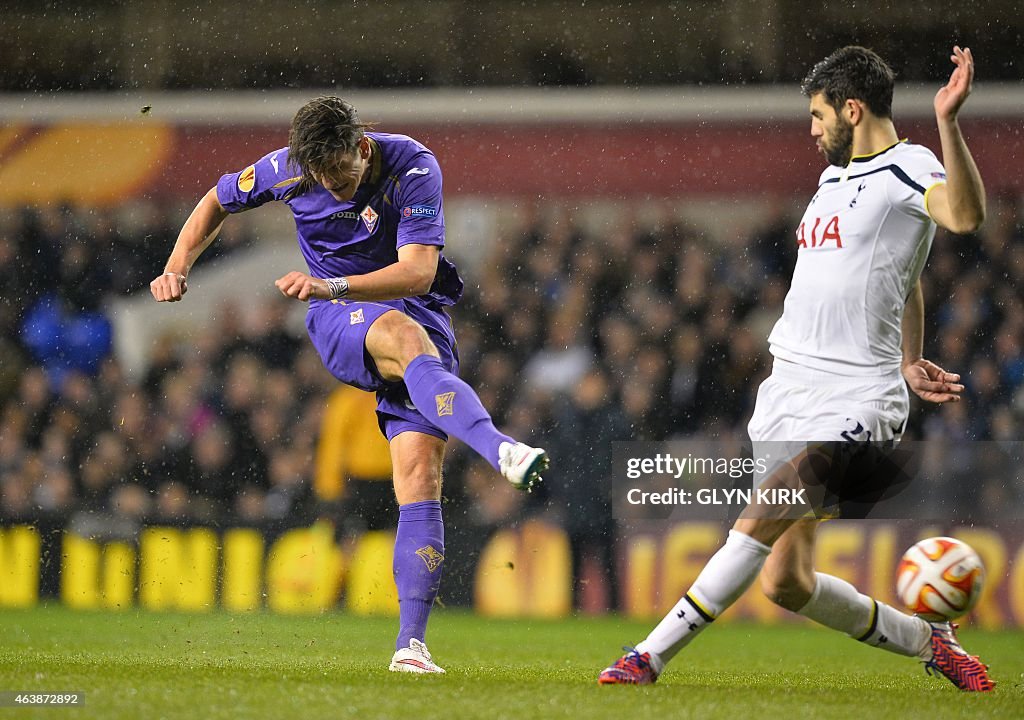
{"x":951,"y":97}
{"x":303,"y":287}
{"x":932,"y":383}
{"x":169,"y":287}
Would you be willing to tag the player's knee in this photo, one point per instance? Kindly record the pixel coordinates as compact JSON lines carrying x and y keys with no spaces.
{"x":416,"y":342}
{"x":409,"y":339}
{"x":789,"y":591}
{"x":418,"y":483}
{"x":394,"y":341}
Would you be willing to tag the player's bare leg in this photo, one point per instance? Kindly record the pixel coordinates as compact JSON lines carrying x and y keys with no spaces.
{"x":393,"y":341}
{"x":419,"y":544}
{"x":787,"y":578}
{"x":403,"y":351}
{"x":416,"y":460}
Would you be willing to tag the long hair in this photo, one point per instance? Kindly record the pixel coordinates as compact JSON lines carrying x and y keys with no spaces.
{"x":853,"y":73}
{"x":323,"y":130}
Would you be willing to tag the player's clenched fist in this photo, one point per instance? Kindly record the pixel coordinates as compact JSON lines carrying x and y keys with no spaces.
{"x":303,"y":287}
{"x":169,"y":287}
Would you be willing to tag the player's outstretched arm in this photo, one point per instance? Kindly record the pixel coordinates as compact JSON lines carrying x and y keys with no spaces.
{"x":926,"y":379}
{"x":412,"y":275}
{"x":959,"y":204}
{"x":199,"y":231}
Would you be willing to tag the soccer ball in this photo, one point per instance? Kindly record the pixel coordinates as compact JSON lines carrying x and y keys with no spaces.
{"x":940,"y":578}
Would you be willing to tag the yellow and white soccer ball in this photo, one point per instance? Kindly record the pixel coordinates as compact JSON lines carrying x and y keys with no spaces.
{"x":940,"y":578}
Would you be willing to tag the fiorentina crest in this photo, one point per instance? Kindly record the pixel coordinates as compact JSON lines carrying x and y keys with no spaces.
{"x":431,"y":557}
{"x":370,"y":218}
{"x":445,"y":403}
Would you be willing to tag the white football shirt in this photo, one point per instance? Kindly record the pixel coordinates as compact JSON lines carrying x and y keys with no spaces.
{"x":861,"y":245}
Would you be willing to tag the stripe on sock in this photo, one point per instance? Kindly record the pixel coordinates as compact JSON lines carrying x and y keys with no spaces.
{"x":874,"y":621}
{"x":708,"y":617}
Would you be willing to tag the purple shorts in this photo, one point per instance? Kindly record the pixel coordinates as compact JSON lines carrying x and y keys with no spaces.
{"x":338,"y":331}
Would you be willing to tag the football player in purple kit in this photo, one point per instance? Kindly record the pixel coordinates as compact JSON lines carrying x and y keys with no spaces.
{"x":370,"y":224}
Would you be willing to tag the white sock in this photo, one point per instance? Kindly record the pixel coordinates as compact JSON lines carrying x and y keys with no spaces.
{"x":837,"y":604}
{"x":728,"y":574}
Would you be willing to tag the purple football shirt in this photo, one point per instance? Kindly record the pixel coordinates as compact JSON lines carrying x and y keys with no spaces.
{"x":399,"y":205}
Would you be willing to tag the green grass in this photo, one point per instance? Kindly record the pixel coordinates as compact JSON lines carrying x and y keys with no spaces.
{"x":149,"y":665}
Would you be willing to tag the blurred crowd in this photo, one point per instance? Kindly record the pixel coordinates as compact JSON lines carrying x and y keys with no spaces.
{"x":573,"y":339}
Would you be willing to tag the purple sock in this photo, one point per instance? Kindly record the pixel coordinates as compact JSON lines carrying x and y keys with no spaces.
{"x":452,"y":405}
{"x":419,"y":555}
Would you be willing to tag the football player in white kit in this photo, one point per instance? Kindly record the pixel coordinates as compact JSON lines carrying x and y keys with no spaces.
{"x":848,"y":344}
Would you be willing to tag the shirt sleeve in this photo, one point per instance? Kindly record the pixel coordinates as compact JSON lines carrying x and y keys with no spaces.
{"x":269,"y":178}
{"x":420,"y":211}
{"x":916,"y":176}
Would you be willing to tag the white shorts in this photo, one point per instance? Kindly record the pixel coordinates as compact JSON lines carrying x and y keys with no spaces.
{"x":799,"y":404}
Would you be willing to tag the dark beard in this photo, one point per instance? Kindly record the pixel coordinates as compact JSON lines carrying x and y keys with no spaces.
{"x":839,"y":151}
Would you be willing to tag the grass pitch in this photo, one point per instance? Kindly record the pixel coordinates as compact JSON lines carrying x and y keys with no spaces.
{"x":140,"y":664}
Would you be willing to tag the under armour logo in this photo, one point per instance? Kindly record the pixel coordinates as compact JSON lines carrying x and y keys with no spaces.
{"x":682,"y":614}
{"x":882,"y":639}
{"x":445,"y":403}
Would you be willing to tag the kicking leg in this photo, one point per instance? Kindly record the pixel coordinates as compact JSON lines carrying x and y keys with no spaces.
{"x":402,"y":350}
{"x":419,"y":544}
